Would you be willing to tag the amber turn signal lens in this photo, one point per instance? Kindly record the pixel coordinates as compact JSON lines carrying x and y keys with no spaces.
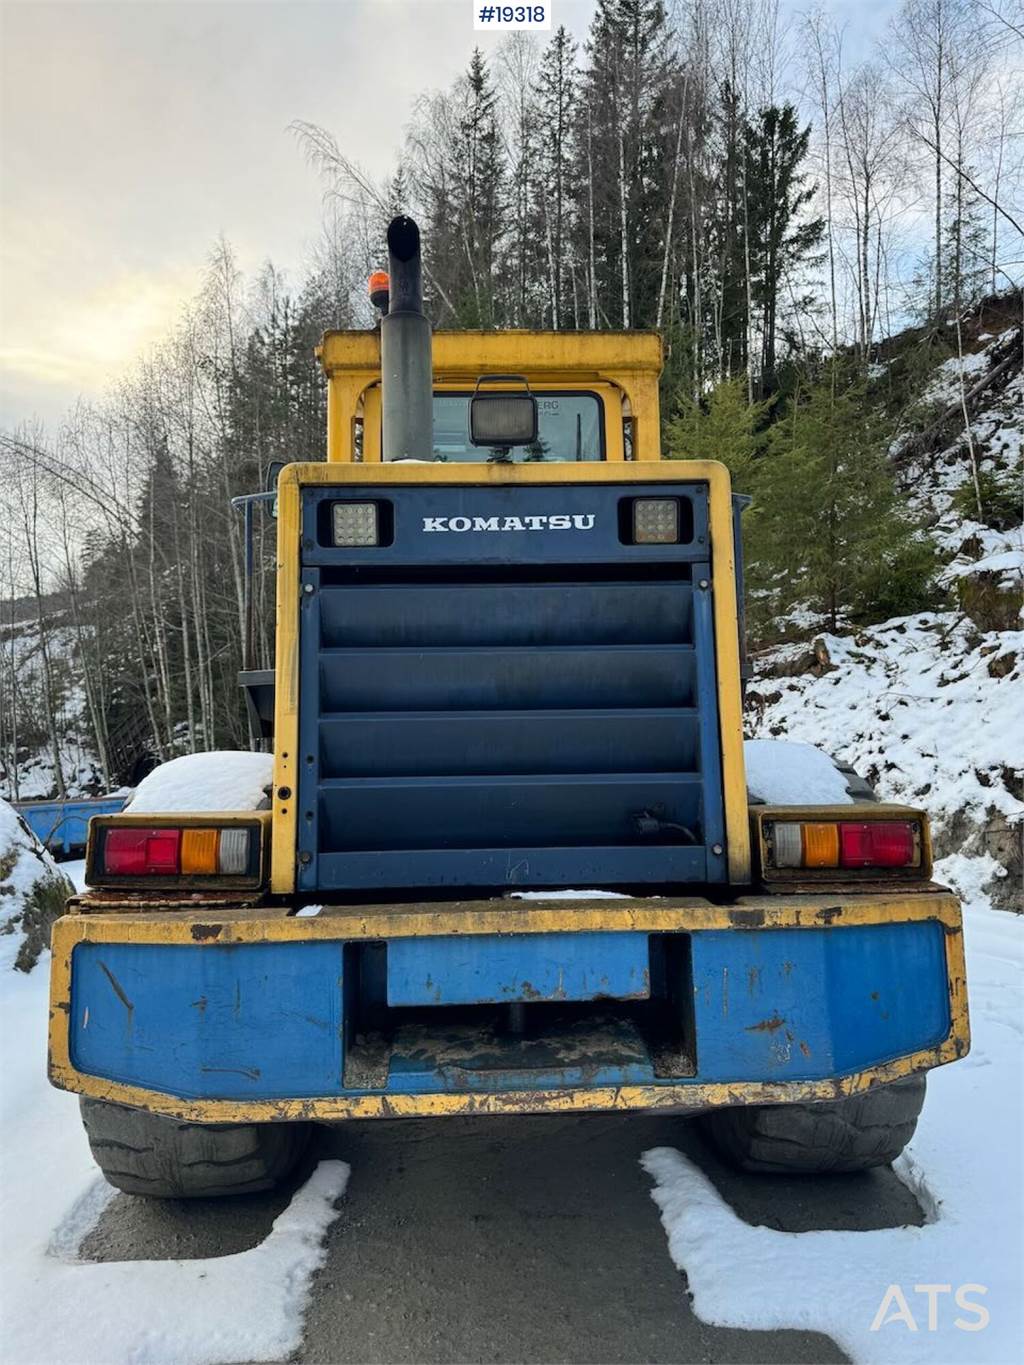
{"x":198,"y":851}
{"x":821,"y":845}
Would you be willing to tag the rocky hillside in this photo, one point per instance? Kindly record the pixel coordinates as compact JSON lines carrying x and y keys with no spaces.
{"x":930,"y":708}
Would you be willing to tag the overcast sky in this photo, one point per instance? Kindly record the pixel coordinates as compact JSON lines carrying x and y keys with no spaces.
{"x":132,"y":134}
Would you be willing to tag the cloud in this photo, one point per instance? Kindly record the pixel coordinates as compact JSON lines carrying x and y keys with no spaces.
{"x":95,"y":335}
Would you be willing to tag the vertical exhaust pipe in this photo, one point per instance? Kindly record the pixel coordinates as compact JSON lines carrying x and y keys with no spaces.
{"x":407,"y":382}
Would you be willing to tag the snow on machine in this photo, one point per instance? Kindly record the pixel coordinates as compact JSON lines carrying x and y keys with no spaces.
{"x":504,"y":858}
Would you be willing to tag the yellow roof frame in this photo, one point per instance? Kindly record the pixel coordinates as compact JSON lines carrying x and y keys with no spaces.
{"x":630,"y":361}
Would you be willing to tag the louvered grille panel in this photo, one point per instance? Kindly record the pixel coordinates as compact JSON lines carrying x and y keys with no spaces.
{"x":477,"y":724}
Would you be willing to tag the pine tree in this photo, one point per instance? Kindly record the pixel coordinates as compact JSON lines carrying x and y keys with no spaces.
{"x":831,"y":531}
{"x":479,"y":180}
{"x":724,"y":427}
{"x":782,"y":237}
{"x":557,"y":173}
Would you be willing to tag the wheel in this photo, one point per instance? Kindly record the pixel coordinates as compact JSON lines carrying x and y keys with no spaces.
{"x":811,"y":1139}
{"x":159,"y":1157}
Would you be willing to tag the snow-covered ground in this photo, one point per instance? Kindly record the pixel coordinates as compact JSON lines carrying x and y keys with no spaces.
{"x":964,"y":1165}
{"x":55,"y":1308}
{"x":871,"y":1291}
{"x":32,"y":891}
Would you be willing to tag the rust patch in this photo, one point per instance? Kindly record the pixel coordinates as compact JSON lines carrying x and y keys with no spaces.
{"x":202,"y":932}
{"x":804,"y":1048}
{"x":828,"y":914}
{"x":769,"y":1025}
{"x":200,"y":1004}
{"x":747,"y":919}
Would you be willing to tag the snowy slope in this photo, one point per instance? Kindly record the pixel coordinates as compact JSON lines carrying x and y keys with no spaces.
{"x":32,"y":893}
{"x":22,"y":657}
{"x":933,"y":479}
{"x":931,"y":713}
{"x":930,"y":708}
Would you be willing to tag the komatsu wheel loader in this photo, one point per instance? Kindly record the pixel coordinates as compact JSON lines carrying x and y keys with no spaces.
{"x":508,"y":863}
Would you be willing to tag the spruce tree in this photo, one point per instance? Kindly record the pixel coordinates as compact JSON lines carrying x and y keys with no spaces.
{"x":782,"y":237}
{"x":622,"y":118}
{"x":557,"y":173}
{"x":832,"y":533}
{"x":724,"y":427}
{"x":727,"y":235}
{"x":479,"y":178}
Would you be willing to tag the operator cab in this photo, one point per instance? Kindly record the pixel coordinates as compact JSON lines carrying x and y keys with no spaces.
{"x":569,"y":428}
{"x":596,"y":395}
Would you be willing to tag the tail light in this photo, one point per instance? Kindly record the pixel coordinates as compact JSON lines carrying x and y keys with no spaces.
{"x":883,"y":844}
{"x":123,"y":851}
{"x":142,"y":852}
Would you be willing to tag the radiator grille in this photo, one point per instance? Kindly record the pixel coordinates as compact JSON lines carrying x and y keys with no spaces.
{"x":472,"y":725}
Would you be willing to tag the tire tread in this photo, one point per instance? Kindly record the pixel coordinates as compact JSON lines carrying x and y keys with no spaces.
{"x":147,"y":1154}
{"x":836,"y":1136}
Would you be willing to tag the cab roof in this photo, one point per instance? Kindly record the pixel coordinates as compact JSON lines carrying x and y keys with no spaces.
{"x":612,"y":357}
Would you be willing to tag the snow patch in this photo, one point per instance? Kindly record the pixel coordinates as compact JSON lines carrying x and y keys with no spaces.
{"x":243,"y":1307}
{"x":26,"y":868}
{"x":225,"y":780}
{"x":784,"y":773}
{"x":944,"y":387}
{"x":567,"y":895}
{"x":965,"y":1166}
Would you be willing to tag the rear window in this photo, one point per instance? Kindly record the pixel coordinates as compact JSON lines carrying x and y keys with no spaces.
{"x":569,"y":430}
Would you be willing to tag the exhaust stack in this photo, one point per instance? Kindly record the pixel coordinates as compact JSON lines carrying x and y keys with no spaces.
{"x":407,"y":384}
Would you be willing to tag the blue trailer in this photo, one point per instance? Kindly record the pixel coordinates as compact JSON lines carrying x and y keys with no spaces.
{"x":63,"y":826}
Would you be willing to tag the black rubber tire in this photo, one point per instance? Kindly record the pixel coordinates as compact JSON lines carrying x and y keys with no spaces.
{"x":835,"y":1136}
{"x":162,"y":1158}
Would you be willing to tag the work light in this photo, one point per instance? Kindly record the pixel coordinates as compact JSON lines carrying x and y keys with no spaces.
{"x":656,"y":521}
{"x":356,"y":523}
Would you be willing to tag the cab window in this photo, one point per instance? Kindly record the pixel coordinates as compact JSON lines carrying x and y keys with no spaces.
{"x":570,"y":429}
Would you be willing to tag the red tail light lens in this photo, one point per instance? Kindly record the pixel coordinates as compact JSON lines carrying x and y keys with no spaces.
{"x":137,"y":852}
{"x":880,"y":843}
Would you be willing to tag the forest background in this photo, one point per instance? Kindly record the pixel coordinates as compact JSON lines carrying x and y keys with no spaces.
{"x":812,"y":237}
